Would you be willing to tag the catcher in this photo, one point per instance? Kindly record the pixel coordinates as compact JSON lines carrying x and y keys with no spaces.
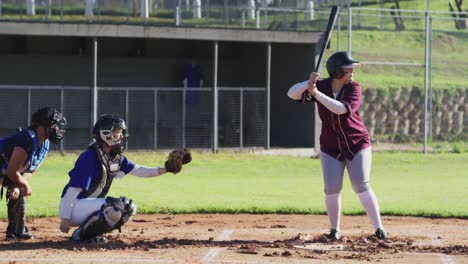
{"x":84,"y":200}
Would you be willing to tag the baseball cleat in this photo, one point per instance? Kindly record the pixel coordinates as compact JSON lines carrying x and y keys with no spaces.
{"x":381,"y":234}
{"x":76,"y":236}
{"x":333,"y":235}
{"x":23,"y":236}
{"x":99,"y":239}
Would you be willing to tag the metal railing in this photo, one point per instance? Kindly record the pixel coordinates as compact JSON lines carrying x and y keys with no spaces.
{"x":125,"y":12}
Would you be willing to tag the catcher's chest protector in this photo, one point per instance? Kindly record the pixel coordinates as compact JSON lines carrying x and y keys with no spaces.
{"x":109,"y":169}
{"x":37,"y":154}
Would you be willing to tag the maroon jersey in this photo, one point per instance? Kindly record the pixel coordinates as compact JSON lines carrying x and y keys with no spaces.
{"x":342,"y":136}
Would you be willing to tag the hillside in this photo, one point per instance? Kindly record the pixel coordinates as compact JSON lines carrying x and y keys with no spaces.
{"x":376,"y":38}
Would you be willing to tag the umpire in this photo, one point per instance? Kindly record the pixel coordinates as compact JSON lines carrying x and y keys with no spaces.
{"x":20,"y":155}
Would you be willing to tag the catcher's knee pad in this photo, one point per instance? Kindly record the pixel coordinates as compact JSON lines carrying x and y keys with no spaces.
{"x":113,"y":214}
{"x":119,"y":210}
{"x":95,"y":225}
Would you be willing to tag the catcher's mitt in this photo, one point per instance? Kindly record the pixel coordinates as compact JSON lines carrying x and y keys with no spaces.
{"x":176,"y":159}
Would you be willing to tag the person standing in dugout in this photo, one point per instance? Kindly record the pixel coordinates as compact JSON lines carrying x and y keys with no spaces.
{"x":344,"y":140}
{"x":21,"y":155}
{"x":84,"y":201}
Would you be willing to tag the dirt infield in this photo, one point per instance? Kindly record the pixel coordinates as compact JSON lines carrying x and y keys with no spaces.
{"x":213,"y":238}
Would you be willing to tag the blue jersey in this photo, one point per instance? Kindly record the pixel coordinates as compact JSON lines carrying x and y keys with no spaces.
{"x":88,"y":169}
{"x":27,"y":140}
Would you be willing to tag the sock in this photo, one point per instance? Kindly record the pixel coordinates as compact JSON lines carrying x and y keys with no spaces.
{"x":333,"y":205}
{"x":370,"y":204}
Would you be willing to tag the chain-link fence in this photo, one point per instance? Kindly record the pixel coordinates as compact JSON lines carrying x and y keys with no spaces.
{"x":158,"y":118}
{"x":412,"y":67}
{"x":279,"y":15}
{"x":412,"y":74}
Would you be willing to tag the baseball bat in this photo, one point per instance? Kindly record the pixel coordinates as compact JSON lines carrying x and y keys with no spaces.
{"x":327,"y":35}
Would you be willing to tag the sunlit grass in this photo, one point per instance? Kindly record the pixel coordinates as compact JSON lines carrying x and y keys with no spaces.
{"x":234,"y":182}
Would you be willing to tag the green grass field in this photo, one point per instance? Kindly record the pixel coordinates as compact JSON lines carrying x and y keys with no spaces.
{"x":406,"y":183}
{"x":240,"y":182}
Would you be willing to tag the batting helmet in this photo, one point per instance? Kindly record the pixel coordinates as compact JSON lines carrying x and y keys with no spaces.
{"x":337,"y":61}
{"x":52,"y":119}
{"x":103,"y":132}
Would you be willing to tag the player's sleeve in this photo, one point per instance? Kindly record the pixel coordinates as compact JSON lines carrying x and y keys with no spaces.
{"x":352,"y":97}
{"x":145,"y":172}
{"x":331,"y":104}
{"x":84,"y":169}
{"x":299,"y":93}
{"x":68,"y":202}
{"x":126,"y":167}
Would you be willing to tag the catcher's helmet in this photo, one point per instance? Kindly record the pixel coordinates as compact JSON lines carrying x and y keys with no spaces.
{"x":337,"y":61}
{"x":103,"y":132}
{"x":52,"y":119}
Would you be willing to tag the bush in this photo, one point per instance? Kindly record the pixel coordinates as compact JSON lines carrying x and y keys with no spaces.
{"x":458,"y":148}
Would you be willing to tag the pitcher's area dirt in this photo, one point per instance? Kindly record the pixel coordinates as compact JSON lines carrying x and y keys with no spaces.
{"x":220,"y":238}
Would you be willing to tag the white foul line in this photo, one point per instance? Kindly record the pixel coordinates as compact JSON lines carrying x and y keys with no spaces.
{"x":214,"y":252}
{"x":436,"y":241}
{"x":225,"y":235}
{"x":447,"y":259}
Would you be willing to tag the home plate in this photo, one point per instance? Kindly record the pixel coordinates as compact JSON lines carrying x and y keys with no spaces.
{"x":319,"y":246}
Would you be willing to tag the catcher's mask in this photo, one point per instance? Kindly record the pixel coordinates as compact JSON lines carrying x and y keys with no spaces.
{"x":112,"y":131}
{"x":52,"y":120}
{"x":338,"y":61}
